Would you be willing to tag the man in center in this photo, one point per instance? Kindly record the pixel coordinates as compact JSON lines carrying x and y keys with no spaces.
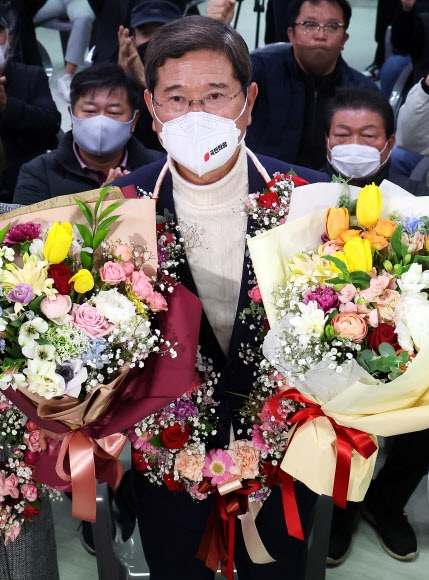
{"x":199,"y":90}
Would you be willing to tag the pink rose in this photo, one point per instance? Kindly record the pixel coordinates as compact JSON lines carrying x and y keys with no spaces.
{"x":141,"y":285}
{"x":112,"y":273}
{"x":189,"y":465}
{"x":128,"y":268}
{"x":246,"y":457}
{"x":9,"y":485}
{"x":123,"y":251}
{"x":255,"y":294}
{"x":350,"y":325}
{"x":12,"y":534}
{"x":157,"y":302}
{"x":55,"y":307}
{"x":4,"y":406}
{"x":33,"y":441}
{"x":29,"y":491}
{"x":90,"y":321}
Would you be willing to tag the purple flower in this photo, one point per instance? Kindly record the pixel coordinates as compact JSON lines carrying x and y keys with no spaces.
{"x":183,"y":410}
{"x":22,"y":293}
{"x":22,"y":233}
{"x":325,"y":296}
{"x":411,"y":225}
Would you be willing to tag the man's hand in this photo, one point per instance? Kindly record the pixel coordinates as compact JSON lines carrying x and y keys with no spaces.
{"x":115,"y":174}
{"x":221,"y":10}
{"x":128,"y":58}
{"x":3,"y":96}
{"x":43,"y":444}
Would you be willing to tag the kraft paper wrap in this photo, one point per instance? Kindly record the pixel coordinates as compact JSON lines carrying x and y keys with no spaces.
{"x":134,"y":225}
{"x":400,"y":406}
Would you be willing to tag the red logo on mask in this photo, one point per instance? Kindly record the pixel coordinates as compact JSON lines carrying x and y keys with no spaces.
{"x":206,"y":156}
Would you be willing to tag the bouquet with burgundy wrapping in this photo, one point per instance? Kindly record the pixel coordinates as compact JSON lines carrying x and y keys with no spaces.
{"x":81,"y":314}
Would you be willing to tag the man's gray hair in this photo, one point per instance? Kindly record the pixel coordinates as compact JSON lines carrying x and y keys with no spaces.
{"x":191,"y":34}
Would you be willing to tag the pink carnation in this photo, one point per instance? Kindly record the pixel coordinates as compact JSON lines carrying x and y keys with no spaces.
{"x":189,"y":465}
{"x":22,"y":233}
{"x":246,"y":457}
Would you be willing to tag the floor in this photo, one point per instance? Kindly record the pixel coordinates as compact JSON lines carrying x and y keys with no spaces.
{"x":367,"y":560}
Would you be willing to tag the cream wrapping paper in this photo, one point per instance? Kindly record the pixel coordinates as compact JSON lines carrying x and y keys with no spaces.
{"x":400,"y":406}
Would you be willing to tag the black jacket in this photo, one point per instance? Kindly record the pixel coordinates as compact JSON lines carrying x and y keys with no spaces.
{"x":286,"y":118}
{"x":59,"y":172}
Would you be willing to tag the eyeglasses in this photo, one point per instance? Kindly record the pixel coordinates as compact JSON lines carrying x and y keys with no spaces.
{"x":311,"y":27}
{"x":214,"y":102}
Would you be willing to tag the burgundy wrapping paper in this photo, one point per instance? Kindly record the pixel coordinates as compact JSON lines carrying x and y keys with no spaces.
{"x":144,"y":391}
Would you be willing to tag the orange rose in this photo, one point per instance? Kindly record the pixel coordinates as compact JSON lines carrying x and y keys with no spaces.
{"x":346,"y":236}
{"x":385,"y":228}
{"x":350,"y":325}
{"x":377,"y":242}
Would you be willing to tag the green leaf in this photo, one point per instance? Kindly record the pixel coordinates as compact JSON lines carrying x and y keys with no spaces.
{"x":109,"y":209}
{"x":385,"y":349}
{"x":291,"y":172}
{"x":421,"y":259}
{"x":156,"y":441}
{"x":107,"y":222}
{"x":3,"y":233}
{"x":24,"y":246}
{"x":99,"y":237}
{"x":35,"y":304}
{"x":399,"y":249}
{"x":337,"y":280}
{"x":360,"y":279}
{"x":339,"y":263}
{"x":86,"y":235}
{"x":10,"y":362}
{"x":101,"y":197}
{"x":87,"y":260}
{"x":86,"y":210}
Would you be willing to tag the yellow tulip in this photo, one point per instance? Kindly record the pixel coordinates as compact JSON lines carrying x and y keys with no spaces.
{"x":427,"y":243}
{"x":337,"y":221}
{"x":358,"y":255}
{"x":58,"y":242}
{"x":83,"y":281}
{"x":368,"y":207}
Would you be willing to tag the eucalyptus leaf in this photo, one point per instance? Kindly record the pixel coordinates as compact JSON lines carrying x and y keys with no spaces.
{"x":385,"y":349}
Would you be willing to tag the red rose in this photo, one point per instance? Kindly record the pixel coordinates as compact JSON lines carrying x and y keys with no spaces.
{"x":383,"y":333}
{"x":175,"y":436}
{"x":272,"y":473}
{"x":61,"y":275}
{"x":139,"y":461}
{"x":298,"y":181}
{"x":171,"y":483}
{"x":30,"y":511}
{"x":269,"y":200}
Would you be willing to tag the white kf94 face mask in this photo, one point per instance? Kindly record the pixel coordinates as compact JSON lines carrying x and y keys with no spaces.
{"x":200,"y":141}
{"x":101,"y":135}
{"x":354,"y":160}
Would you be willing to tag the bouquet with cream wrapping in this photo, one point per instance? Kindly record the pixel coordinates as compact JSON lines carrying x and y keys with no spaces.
{"x":343,"y":328}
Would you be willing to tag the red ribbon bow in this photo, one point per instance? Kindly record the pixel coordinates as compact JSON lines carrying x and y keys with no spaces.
{"x":217,"y":544}
{"x":82,"y":451}
{"x":347,"y":440}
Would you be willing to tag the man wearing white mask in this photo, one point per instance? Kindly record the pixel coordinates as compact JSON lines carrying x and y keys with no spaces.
{"x":359,"y":127}
{"x":99,"y":148}
{"x":199,"y":89}
{"x":29,"y":118}
{"x":359,"y":138}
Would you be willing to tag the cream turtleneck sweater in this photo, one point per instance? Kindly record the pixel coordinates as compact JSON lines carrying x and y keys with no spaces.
{"x":216,"y":259}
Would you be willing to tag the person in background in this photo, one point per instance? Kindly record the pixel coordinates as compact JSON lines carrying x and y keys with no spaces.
{"x":198,"y":74}
{"x":359,"y":138}
{"x":99,"y":148}
{"x":295,"y":82}
{"x":81,"y":18}
{"x":29,"y":118}
{"x":146,"y":17}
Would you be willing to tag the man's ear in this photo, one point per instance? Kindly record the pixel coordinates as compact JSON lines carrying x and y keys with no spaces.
{"x":136,"y":118}
{"x":148,"y":100}
{"x":252,"y":93}
{"x":390,"y":142}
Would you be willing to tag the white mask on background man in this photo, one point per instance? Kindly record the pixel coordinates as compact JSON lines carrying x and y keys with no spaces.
{"x":200,"y":141}
{"x":3,"y":50}
{"x":354,"y":160}
{"x":101,"y":135}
